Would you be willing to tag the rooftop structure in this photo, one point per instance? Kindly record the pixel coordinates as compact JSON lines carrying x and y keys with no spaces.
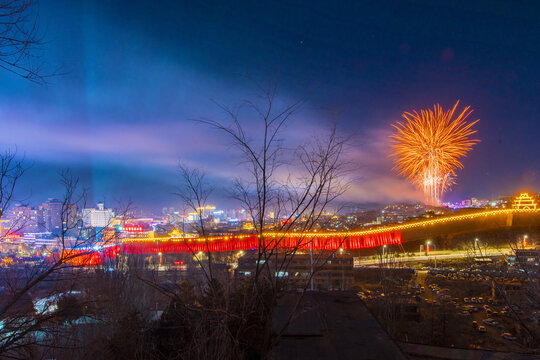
{"x":524,"y":201}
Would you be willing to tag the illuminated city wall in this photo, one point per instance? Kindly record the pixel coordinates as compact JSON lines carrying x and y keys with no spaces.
{"x":362,"y":239}
{"x":331,"y":241}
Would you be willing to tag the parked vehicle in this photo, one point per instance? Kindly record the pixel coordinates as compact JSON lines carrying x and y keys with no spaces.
{"x":508,"y":336}
{"x":482,"y":329}
{"x":490,"y":322}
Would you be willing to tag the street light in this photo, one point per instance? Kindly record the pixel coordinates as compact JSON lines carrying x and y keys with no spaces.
{"x":427,"y":245}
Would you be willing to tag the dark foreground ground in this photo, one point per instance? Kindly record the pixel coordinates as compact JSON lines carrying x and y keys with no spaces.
{"x":333,"y":326}
{"x":338,"y":325}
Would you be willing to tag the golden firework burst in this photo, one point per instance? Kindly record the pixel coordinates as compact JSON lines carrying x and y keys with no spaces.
{"x":428,"y":147}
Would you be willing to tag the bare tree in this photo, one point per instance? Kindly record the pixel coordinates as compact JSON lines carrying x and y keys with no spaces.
{"x":30,"y":325}
{"x":194,"y":194}
{"x":520,"y":297}
{"x":389,"y":278}
{"x":20,"y":40}
{"x":11,"y":170}
{"x":292,"y":189}
{"x":521,"y":303}
{"x":285,"y":192}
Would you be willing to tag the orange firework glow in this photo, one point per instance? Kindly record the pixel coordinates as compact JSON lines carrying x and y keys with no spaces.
{"x":427,"y":147}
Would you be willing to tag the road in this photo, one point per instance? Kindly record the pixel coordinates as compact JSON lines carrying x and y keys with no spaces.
{"x":434,"y":256}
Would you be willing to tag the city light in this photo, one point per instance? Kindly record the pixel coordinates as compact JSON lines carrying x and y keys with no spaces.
{"x":524,"y":243}
{"x":524,"y":202}
{"x":132,"y":228}
{"x":339,"y":234}
{"x":382,"y":236}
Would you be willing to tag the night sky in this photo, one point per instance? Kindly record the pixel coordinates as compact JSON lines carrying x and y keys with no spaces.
{"x":133,"y":75}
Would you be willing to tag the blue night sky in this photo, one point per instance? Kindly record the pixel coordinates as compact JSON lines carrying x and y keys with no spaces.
{"x":134,"y":74}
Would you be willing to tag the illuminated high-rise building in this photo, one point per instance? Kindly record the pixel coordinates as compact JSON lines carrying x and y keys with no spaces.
{"x":26,"y":219}
{"x":97,"y":218}
{"x":55,"y":212}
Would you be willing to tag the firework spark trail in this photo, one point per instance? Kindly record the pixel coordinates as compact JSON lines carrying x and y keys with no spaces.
{"x":428,"y":147}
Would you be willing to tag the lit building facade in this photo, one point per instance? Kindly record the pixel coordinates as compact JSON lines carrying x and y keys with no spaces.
{"x":97,"y":218}
{"x":55,"y":213}
{"x":524,"y":201}
{"x":334,"y":272}
{"x":26,"y":219}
